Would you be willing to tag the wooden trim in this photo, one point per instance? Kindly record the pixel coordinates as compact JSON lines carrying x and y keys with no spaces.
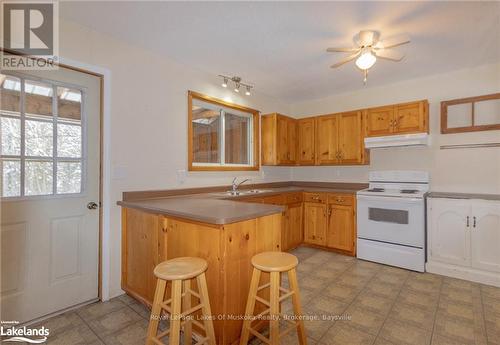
{"x":256,"y":134}
{"x":473,"y":127}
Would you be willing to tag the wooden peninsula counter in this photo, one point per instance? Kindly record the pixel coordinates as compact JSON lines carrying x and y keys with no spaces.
{"x":231,"y":234}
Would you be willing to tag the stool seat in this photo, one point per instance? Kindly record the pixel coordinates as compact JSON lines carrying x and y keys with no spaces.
{"x":180,"y":268}
{"x":274,"y":261}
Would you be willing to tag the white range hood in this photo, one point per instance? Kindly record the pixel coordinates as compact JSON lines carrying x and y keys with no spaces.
{"x":417,"y":139}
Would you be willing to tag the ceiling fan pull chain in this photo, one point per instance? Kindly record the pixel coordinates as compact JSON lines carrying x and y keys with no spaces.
{"x":366,"y":76}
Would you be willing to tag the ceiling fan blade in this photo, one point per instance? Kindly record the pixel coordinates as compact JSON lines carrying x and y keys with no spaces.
{"x":342,"y":50}
{"x":389,"y":54}
{"x":345,"y":60}
{"x":393,"y":41}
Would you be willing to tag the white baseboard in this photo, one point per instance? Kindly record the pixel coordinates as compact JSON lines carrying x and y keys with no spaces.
{"x":466,"y":273}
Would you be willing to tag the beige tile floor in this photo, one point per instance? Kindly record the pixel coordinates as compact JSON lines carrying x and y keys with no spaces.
{"x":380,"y":305}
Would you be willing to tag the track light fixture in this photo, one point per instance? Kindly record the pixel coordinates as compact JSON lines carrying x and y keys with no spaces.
{"x":237,"y":84}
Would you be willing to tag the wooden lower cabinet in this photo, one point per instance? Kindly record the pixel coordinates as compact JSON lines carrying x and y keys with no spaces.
{"x":315,"y":223}
{"x":148,"y":239}
{"x":340,"y":233}
{"x":292,"y":234}
{"x":330,"y":221}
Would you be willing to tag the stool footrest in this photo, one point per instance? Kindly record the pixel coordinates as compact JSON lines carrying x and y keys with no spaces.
{"x":190,"y":311}
{"x":288,"y":330}
{"x":259,"y":335}
{"x":263,"y":301}
{"x":285,"y":296}
{"x":262,"y":287}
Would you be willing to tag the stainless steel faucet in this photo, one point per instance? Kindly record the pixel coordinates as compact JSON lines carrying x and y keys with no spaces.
{"x":237,"y":185}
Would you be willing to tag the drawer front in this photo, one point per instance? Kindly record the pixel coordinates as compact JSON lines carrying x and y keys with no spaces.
{"x":315,"y":197}
{"x":274,"y":199}
{"x":292,"y":198}
{"x":341,"y":199}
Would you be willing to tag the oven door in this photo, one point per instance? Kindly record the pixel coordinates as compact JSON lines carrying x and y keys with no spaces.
{"x":391,"y":219}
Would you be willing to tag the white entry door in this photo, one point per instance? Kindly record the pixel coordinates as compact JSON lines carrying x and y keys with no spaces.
{"x":50,"y":147}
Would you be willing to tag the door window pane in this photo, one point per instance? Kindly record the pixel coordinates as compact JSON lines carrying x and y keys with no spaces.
{"x":10,"y":92}
{"x":69,"y":140}
{"x":38,"y":178}
{"x":69,"y":103}
{"x":69,"y":177}
{"x":206,"y":133}
{"x":38,"y":138}
{"x":11,"y":182}
{"x":38,"y":98}
{"x":11,"y":136}
{"x":236,"y":139}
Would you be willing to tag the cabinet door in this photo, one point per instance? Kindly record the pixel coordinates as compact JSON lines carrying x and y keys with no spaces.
{"x":327,"y":128}
{"x":485,"y":235}
{"x":410,"y":118}
{"x":340,"y":233}
{"x":379,"y":121}
{"x":315,"y":223}
{"x":140,"y":253}
{"x":306,"y":149}
{"x":292,"y":141}
{"x":449,"y":231}
{"x":294,"y":225}
{"x":350,"y":138}
{"x":282,"y":151}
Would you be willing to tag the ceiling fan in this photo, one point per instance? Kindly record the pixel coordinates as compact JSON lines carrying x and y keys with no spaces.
{"x":369,"y":47}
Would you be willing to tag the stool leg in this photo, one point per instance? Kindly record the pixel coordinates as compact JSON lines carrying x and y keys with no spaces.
{"x":254,"y":284}
{"x":275,"y":308}
{"x":186,"y":303}
{"x":297,"y":309}
{"x":175,"y":322}
{"x":207,"y":312}
{"x":154,"y":319}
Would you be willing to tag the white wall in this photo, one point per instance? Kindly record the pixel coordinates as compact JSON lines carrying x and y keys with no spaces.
{"x":459,"y":170}
{"x":149,"y":120}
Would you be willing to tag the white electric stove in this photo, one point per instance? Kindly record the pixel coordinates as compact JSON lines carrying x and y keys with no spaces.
{"x":391,"y":219}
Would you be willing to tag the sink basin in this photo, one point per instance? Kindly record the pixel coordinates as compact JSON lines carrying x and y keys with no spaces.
{"x":245,"y":192}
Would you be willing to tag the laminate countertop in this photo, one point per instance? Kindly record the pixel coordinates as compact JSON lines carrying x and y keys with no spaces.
{"x":449,"y":195}
{"x":213,"y":206}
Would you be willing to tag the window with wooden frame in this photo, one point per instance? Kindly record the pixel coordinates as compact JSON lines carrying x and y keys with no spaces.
{"x":221,"y":135}
{"x":481,"y":113}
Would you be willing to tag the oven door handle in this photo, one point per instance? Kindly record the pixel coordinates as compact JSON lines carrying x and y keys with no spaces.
{"x":389,"y":198}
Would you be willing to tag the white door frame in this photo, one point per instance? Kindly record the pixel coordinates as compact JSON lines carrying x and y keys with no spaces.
{"x":106,"y":169}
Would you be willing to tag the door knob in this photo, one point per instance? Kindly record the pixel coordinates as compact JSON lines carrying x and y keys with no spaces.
{"x":92,"y":205}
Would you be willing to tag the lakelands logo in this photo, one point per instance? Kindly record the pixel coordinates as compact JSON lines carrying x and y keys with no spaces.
{"x":29,"y":35}
{"x":23,"y":334}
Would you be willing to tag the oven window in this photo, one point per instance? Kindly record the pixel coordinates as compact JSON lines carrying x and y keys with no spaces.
{"x":388,"y":216}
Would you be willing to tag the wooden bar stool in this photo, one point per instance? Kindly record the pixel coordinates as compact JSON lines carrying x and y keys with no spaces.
{"x":180,"y":271}
{"x":275,"y":263}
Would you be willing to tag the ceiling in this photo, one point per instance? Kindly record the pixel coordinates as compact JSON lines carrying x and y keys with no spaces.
{"x":280,"y":46}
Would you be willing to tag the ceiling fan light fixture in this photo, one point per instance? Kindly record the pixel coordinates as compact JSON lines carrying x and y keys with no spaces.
{"x":366,"y":60}
{"x":224,"y":83}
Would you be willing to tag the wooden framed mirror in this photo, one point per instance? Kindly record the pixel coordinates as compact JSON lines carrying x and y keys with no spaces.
{"x":472,"y":114}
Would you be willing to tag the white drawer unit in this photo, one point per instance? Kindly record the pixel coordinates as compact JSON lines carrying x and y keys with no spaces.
{"x":464,"y":239}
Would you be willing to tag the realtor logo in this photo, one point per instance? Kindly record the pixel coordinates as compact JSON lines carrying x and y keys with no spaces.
{"x":30,"y":28}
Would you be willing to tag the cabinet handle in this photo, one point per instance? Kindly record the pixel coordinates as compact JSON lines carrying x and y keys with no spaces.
{"x":467,"y":221}
{"x":474,"y":222}
{"x":330,"y":210}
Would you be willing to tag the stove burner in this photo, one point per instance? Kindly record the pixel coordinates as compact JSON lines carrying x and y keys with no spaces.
{"x":376,"y":190}
{"x":409,"y":191}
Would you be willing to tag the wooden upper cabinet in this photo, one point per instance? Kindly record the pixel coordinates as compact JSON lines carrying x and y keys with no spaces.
{"x":410,"y":118}
{"x":339,"y":139}
{"x":327,"y":129}
{"x":402,"y":118}
{"x":279,"y":140}
{"x":351,"y":138}
{"x":306,"y":141}
{"x":379,"y":121}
